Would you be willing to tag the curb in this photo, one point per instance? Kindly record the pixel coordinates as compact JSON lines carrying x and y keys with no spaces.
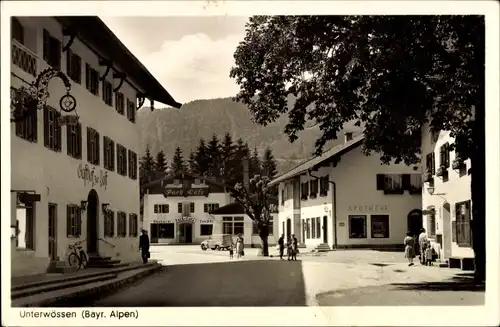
{"x":65,"y":300}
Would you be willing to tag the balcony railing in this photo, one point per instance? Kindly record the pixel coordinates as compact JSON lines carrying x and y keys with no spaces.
{"x":23,"y":58}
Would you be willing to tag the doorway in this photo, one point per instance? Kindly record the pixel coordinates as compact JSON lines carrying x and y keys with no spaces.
{"x":446,"y":231}
{"x":92,"y":222}
{"x":185,"y":233}
{"x":325,"y":229}
{"x":414,"y":222}
{"x":53,"y":232}
{"x":288,"y":227}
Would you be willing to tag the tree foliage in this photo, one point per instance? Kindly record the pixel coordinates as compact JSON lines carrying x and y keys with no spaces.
{"x":178,"y":164}
{"x":161,"y":163}
{"x":214,"y":154}
{"x":201,"y":159}
{"x":147,"y":167}
{"x":269,"y":167}
{"x":390,"y":74}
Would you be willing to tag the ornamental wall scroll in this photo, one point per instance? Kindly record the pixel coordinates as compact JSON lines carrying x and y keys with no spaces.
{"x":25,"y":101}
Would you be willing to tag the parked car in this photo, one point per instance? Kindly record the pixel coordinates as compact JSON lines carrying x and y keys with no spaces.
{"x":217,"y":242}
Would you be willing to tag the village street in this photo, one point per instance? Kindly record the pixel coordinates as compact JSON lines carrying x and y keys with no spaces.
{"x":193,"y":277}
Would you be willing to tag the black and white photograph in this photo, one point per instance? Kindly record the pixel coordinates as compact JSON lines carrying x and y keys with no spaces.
{"x":227,"y":155}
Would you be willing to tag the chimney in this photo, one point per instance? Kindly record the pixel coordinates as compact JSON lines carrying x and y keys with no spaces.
{"x":348,"y":136}
{"x":246,"y":179}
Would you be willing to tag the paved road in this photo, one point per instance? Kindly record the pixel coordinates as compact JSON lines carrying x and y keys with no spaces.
{"x":209,"y":278}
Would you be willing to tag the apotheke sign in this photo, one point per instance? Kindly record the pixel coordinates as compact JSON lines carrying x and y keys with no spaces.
{"x":185,"y":192}
{"x":185,"y":220}
{"x":368,"y":208}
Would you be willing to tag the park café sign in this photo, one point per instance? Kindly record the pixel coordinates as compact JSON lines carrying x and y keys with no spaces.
{"x":185,"y":192}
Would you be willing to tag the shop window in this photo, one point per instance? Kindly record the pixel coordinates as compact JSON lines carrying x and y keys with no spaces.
{"x":120,"y":103}
{"x":74,"y":140}
{"x":52,"y":128}
{"x":313,"y":188}
{"x":357,"y":226}
{"x":91,"y":80}
{"x":122,"y":224}
{"x":74,"y":66}
{"x":132,"y":225}
{"x":93,"y":146}
{"x":233,"y":225}
{"x":163,"y":231}
{"x":109,"y":153}
{"x":463,"y":221}
{"x":107,"y":93}
{"x":132,"y":164}
{"x":25,"y":227}
{"x":380,"y":226}
{"x":206,"y":229}
{"x":73,"y":221}
{"x":313,"y":227}
{"x":308,"y":228}
{"x":51,"y":50}
{"x":109,"y":223}
{"x":304,"y":229}
{"x":161,"y":208}
{"x":318,"y":227}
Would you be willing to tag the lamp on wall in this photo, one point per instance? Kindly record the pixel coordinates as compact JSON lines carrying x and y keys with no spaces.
{"x":431,"y":190}
{"x":83,"y":205}
{"x":105,"y":207}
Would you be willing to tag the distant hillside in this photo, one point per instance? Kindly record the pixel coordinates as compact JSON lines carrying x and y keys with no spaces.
{"x":167,"y":128}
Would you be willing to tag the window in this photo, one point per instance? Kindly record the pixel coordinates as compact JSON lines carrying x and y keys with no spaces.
{"x":74,"y":140}
{"x":390,"y":183}
{"x":51,"y":128}
{"x":415,"y":184}
{"x":91,"y":80}
{"x":206,"y":229}
{"x":107,"y":93}
{"x":314,"y":188}
{"x":122,"y":224}
{"x":120,"y":103}
{"x":357,"y":226}
{"x":313,"y":227}
{"x":109,"y":224}
{"x":430,"y":163}
{"x":163,"y":230}
{"x":131,"y":110}
{"x":308,"y":228}
{"x":161,"y":208}
{"x":304,"y":228}
{"x":431,"y":222}
{"x":52,"y":226}
{"x":74,"y":66}
{"x":463,"y":229}
{"x":233,"y":225}
{"x":109,"y":153}
{"x":380,"y":226}
{"x":132,"y":164}
{"x":17,"y":30}
{"x":51,"y":50}
{"x":324,"y":185}
{"x":132,"y":225}
{"x":93,"y":149}
{"x":26,"y":128}
{"x":282,"y":196}
{"x":318,"y":227}
{"x":191,"y":207}
{"x":255,"y":227}
{"x":73,"y":220}
{"x":444,"y":155}
{"x":179,"y":207}
{"x":121,"y":160}
{"x":209,"y":207}
{"x":25,"y":227}
{"x":304,"y":190}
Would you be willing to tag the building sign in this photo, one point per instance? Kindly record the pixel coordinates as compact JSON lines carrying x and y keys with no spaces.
{"x":210,"y":221}
{"x":185,"y":192}
{"x":90,"y":176}
{"x":341,"y":224}
{"x":367,"y":208}
{"x":162,"y":221}
{"x":185,"y":220}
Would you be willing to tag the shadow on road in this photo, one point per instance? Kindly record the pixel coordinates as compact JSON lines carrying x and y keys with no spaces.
{"x":459,"y":282}
{"x":236,"y":283}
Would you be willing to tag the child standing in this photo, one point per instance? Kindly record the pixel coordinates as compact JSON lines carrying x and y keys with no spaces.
{"x":428,"y":253}
{"x":231,"y":251}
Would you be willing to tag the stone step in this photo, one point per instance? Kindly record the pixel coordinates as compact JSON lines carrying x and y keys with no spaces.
{"x":57,"y":286}
{"x":71,"y":296}
{"x":98,"y":258}
{"x":107,"y":265}
{"x":97,"y":262}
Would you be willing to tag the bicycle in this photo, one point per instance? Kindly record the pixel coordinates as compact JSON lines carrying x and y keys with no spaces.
{"x":77,"y":257}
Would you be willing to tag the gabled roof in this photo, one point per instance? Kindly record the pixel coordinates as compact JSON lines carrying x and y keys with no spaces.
{"x":310,"y":164}
{"x":91,"y":29}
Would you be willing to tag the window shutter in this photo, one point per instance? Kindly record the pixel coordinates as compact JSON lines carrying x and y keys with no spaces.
{"x":79,"y":221}
{"x":58,"y":132}
{"x":205,"y":207}
{"x":433,"y":162}
{"x":406,"y":182}
{"x":380,"y":182}
{"x":69,"y":141}
{"x":112,"y":223}
{"x":69,"y":63}
{"x":306,"y":188}
{"x":68,"y":220}
{"x":130,"y":219}
{"x":191,"y":207}
{"x":98,"y":147}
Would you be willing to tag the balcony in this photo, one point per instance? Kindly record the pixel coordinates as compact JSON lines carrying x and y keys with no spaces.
{"x":24,"y":58}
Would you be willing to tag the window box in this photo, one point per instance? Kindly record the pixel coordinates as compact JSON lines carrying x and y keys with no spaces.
{"x":457,"y":164}
{"x":442,"y":171}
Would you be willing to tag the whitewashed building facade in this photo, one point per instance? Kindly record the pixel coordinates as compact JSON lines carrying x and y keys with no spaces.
{"x":352,"y":200}
{"x":82,"y":179}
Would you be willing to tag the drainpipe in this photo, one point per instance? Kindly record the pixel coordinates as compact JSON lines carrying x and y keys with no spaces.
{"x":334,"y":212}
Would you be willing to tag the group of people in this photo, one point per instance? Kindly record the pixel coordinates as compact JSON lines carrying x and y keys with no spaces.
{"x":424,"y":247}
{"x":291,"y":246}
{"x":239,"y":248}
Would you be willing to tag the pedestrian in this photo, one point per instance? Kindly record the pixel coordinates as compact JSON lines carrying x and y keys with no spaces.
{"x":281,"y":242}
{"x":231,"y":250}
{"x":422,"y":243}
{"x":289,"y":248}
{"x":428,"y":253}
{"x":409,"y":243}
{"x":144,"y":246}
{"x":295,"y":248}
{"x":239,"y":247}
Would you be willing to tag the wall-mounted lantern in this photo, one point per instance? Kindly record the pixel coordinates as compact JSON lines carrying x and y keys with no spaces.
{"x":104,"y":207}
{"x":83,"y":205}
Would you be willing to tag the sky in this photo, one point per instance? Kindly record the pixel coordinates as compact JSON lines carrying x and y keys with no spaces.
{"x":190,"y":56}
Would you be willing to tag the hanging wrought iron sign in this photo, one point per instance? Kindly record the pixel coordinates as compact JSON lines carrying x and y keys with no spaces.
{"x":25,"y":101}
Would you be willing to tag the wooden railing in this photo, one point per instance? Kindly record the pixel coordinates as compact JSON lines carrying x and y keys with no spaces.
{"x":24,"y":58}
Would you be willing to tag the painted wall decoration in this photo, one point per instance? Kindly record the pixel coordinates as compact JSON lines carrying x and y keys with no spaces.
{"x":185,"y":192}
{"x":91,"y":176}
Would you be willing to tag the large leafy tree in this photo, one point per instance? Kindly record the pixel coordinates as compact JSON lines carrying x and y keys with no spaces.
{"x":147,"y":167}
{"x":178,"y":164}
{"x":390,"y":74}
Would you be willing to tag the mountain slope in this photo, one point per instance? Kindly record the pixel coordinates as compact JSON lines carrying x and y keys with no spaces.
{"x":166,"y":128}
